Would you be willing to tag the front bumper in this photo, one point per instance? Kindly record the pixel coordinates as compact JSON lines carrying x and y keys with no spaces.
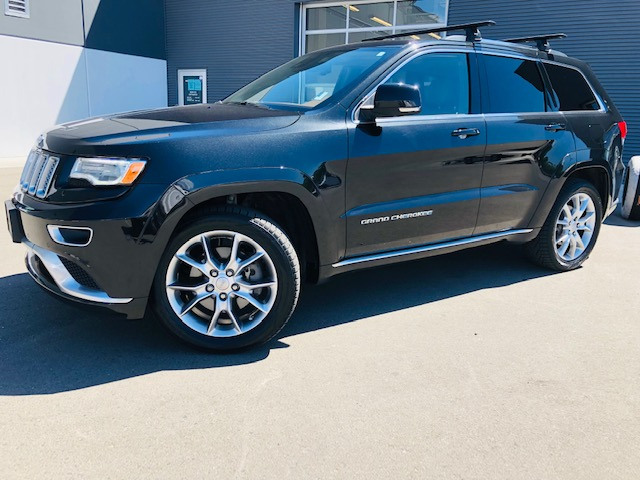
{"x":50,"y":273}
{"x":114,"y":270}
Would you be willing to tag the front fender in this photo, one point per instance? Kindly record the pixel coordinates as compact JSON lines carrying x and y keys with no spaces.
{"x":193,"y":190}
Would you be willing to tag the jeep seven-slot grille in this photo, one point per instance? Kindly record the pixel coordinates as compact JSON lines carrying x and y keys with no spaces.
{"x":38,"y":172}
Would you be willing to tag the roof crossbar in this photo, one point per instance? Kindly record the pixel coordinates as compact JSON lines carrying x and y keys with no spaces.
{"x":472,"y":31}
{"x":542,"y":41}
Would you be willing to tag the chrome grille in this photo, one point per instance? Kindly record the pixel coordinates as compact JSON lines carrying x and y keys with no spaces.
{"x":38,"y":172}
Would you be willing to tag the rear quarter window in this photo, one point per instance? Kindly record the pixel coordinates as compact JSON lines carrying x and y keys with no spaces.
{"x":514,"y":85}
{"x":573,"y":91}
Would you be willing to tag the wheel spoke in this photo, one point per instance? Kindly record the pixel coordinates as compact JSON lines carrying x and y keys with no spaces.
{"x":249,"y":287}
{"x":232,"y":263}
{"x":253,"y":301}
{"x":586,"y":217}
{"x":582,"y":207}
{"x":245,"y":263}
{"x":195,"y":301}
{"x":233,"y":319}
{"x":572,"y":248}
{"x":215,"y":317}
{"x":183,"y":257}
{"x":186,"y":288}
{"x":568,"y":215}
{"x":564,"y":246}
{"x":207,"y":252}
{"x":579,"y":243}
{"x":562,"y":238}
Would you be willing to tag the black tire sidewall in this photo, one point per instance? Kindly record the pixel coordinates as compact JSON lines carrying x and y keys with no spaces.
{"x":572,"y":189}
{"x":285,"y":298}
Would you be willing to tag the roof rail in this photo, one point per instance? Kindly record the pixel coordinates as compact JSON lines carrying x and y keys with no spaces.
{"x":472,"y":31}
{"x":542,"y":41}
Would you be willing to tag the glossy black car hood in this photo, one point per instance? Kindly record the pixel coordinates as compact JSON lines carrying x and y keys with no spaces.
{"x":140,"y":126}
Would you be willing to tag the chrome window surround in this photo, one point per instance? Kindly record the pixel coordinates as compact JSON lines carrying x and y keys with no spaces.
{"x":56,"y":236}
{"x":422,"y":118}
{"x":63,"y":279}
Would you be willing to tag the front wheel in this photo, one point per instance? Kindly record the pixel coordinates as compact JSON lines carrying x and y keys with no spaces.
{"x":228,"y":280}
{"x":571,"y":230}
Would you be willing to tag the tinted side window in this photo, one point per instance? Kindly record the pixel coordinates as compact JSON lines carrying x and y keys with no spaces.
{"x":515,"y":85}
{"x":572,"y":89}
{"x":443,"y":80}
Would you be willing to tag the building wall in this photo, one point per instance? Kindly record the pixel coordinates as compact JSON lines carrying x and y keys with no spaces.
{"x":77,"y":59}
{"x":235,"y":41}
{"x":602,"y":33}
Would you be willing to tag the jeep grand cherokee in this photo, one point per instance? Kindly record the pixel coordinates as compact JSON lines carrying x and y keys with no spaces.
{"x":350,"y":157}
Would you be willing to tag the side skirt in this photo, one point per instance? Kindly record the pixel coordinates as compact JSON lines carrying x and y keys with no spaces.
{"x":412,"y":253}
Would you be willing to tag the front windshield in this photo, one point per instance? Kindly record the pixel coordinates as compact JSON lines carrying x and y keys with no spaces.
{"x":311,"y":80}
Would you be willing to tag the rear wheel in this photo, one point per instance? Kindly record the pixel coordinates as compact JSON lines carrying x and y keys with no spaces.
{"x":571,"y":230}
{"x":228,"y":280}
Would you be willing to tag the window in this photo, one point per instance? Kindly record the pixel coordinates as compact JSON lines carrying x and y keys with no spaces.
{"x":308,"y":81}
{"x":572,"y":89}
{"x":443,"y":80}
{"x":328,"y":24}
{"x":515,"y":85}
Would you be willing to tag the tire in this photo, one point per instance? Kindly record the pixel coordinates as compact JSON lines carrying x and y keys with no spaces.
{"x":545,"y":251}
{"x":210,"y":306}
{"x":631,"y":190}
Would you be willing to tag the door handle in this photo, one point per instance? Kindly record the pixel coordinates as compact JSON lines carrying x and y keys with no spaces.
{"x":463,"y":133}
{"x":555,"y":127}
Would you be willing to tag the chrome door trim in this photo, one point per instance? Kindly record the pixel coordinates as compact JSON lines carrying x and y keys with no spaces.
{"x":429,"y":248}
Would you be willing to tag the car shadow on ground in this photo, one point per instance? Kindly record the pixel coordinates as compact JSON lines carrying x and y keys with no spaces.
{"x":47,"y":346}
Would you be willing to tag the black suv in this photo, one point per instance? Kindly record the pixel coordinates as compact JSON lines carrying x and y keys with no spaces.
{"x":349,"y":157}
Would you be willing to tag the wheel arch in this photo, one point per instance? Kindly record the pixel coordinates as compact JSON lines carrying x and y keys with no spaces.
{"x":286,"y":196}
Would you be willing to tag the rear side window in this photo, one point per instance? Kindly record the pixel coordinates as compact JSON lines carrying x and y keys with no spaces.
{"x":572,"y":89}
{"x":443,"y":80}
{"x":515,"y":85}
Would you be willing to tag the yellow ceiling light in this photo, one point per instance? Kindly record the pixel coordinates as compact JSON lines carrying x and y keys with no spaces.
{"x":381,"y":22}
{"x":415,"y":37}
{"x":353,"y":8}
{"x":436,"y":36}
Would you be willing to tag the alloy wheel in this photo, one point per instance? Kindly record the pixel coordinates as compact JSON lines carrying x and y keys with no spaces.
{"x":221,"y":283}
{"x":574,"y":227}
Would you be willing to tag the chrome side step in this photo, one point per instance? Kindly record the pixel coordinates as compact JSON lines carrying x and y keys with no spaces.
{"x":429,"y":248}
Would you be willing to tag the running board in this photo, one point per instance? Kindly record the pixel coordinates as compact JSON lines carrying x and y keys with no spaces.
{"x":429,"y":248}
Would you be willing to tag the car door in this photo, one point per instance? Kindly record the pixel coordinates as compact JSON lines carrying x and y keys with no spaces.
{"x":415,"y":180}
{"x":526,"y":141}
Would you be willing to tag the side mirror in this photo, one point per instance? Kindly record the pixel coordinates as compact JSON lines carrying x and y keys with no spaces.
{"x":392,"y":100}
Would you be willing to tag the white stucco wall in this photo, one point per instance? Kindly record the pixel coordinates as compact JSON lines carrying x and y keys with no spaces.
{"x":43,"y":84}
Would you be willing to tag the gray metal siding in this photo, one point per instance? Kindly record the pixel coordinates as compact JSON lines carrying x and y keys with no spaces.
{"x":125,"y":26}
{"x":58,"y":21}
{"x":602,"y":33}
{"x":235,"y":41}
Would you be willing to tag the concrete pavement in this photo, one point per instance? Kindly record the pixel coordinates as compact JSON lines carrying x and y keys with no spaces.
{"x":475,"y":365}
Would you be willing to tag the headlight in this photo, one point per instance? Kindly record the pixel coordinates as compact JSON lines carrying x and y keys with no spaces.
{"x":108,"y":171}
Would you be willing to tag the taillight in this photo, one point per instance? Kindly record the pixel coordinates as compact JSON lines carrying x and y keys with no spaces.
{"x":623,"y":129}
